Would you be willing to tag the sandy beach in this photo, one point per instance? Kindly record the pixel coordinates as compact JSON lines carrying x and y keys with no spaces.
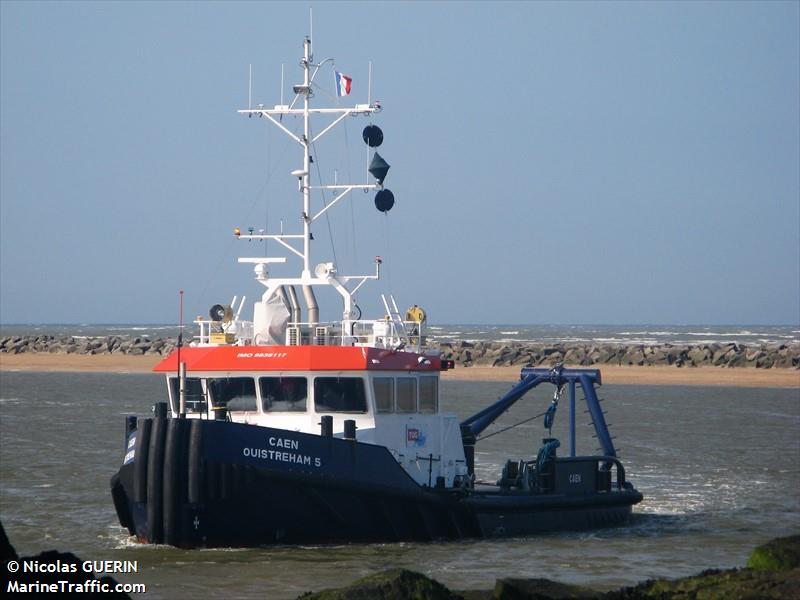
{"x":655,"y":375}
{"x":613,"y":374}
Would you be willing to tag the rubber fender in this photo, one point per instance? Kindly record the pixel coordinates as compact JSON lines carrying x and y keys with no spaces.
{"x":155,"y":482}
{"x":225,"y":481}
{"x":212,"y":481}
{"x":140,"y":460}
{"x":121,"y":504}
{"x":174,"y":482}
{"x":196,"y":471}
{"x":236,"y":480}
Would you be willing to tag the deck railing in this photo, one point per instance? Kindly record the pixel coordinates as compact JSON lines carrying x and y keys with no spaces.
{"x":378,"y":333}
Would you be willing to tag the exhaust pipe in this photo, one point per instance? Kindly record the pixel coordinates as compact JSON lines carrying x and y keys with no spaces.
{"x":294,"y":305}
{"x":281,"y":293}
{"x":311,"y":304}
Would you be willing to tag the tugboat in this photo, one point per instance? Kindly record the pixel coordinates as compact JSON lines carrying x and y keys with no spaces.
{"x":289,"y":430}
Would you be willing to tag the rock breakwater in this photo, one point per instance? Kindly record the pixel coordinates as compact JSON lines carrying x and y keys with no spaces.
{"x":499,"y":354}
{"x":112,"y":344}
{"x":467,"y":354}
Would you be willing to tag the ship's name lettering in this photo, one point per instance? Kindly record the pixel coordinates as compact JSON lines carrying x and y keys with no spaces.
{"x":284,"y":443}
{"x":281,"y":456}
{"x":262,"y":355}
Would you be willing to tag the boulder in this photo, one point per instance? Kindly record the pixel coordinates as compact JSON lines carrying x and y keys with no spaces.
{"x":731,"y":584}
{"x":722,"y":355}
{"x":634,"y":356}
{"x":698,"y":355}
{"x":539,"y":589}
{"x":736,"y":360}
{"x":59,"y":560}
{"x":575,"y":355}
{"x":765,"y":362}
{"x":394,"y":584}
{"x":779,"y":554}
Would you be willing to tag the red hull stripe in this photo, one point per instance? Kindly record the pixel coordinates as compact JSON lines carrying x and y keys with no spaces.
{"x":295,"y":358}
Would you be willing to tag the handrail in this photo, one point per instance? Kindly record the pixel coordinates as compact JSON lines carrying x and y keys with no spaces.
{"x":396,"y":335}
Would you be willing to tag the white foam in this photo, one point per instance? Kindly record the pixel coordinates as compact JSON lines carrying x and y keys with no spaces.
{"x":649,"y":333}
{"x":734,"y":334}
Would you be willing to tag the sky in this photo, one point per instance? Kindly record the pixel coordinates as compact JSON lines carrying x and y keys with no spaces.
{"x":586,"y":163}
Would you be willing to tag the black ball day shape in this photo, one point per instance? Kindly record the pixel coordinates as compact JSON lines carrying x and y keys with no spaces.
{"x":384,"y":200}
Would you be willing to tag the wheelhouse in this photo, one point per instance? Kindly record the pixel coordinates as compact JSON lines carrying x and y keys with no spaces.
{"x":240,"y":396}
{"x":391,"y":397}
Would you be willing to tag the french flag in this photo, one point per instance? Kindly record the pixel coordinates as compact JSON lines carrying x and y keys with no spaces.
{"x":343,"y":83}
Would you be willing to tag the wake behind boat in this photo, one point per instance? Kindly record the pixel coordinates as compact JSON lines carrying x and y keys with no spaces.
{"x":281,"y":429}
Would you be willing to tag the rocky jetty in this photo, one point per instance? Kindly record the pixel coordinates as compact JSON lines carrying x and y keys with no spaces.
{"x":112,"y":344}
{"x":773,"y":572}
{"x":496,"y":354}
{"x":467,"y":354}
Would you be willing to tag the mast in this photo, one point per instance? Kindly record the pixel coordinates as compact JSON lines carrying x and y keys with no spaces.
{"x":299,"y":244}
{"x":306,"y":163}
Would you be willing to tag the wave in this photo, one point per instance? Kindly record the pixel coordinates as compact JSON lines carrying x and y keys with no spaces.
{"x":649,"y":333}
{"x":142,"y":328}
{"x":738,"y":333}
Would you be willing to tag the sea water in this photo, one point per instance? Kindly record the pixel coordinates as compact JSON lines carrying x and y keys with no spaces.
{"x":719,"y":469}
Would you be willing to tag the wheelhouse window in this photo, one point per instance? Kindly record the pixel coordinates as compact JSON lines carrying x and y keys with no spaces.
{"x":428,"y":394}
{"x":237,"y":394}
{"x":283,"y":394}
{"x":383,"y":388}
{"x":193,"y":392}
{"x":406,"y":394}
{"x":340,"y":394}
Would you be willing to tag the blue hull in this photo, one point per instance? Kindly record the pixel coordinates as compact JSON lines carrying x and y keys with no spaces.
{"x":197,"y":483}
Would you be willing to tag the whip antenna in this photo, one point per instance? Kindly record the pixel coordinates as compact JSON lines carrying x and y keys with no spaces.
{"x":181,"y":366}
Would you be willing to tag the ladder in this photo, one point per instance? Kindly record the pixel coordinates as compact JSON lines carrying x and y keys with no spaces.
{"x":398,"y":325}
